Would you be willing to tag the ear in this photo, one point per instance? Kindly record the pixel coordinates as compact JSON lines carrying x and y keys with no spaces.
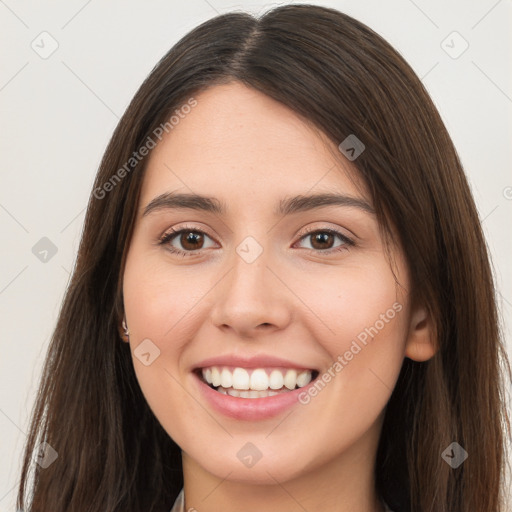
{"x":122,"y":333}
{"x":420,"y":345}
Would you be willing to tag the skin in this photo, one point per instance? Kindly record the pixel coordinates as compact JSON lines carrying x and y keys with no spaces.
{"x":294,"y":301}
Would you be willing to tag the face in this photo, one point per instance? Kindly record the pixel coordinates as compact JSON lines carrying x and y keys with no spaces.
{"x":267,"y":333}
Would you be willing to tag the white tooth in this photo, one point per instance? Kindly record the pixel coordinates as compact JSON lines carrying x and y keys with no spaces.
{"x":253,"y":394}
{"x":240,"y":379}
{"x":207,"y":375}
{"x":215,"y":376}
{"x":272,"y":393}
{"x":290,"y":379}
{"x":244,"y":394}
{"x":276,"y":380}
{"x":222,"y":390}
{"x":259,"y":380}
{"x":233,"y":392}
{"x":226,"y":379}
{"x":303,"y":378}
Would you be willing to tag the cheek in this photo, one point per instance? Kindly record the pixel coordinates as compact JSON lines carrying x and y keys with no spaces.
{"x":159,"y":306}
{"x":363,"y":330}
{"x":156,"y":306}
{"x":353,"y":304}
{"x":159,"y":299}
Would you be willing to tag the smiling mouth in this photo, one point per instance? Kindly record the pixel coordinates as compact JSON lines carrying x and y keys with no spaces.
{"x":255,"y":382}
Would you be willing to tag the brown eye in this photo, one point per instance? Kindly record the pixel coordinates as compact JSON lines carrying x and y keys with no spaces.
{"x":191,"y":240}
{"x":323,"y":240}
{"x":186,"y":241}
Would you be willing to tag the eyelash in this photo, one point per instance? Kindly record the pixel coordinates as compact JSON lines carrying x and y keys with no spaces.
{"x":172,"y":233}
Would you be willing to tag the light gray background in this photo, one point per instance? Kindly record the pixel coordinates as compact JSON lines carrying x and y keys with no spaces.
{"x":58,"y":113}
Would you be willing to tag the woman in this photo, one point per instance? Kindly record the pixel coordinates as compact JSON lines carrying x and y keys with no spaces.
{"x":282,"y":298}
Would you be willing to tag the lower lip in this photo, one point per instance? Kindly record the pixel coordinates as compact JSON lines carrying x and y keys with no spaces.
{"x":250,"y":409}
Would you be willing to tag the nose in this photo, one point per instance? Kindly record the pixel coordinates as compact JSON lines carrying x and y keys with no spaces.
{"x":252,"y":299}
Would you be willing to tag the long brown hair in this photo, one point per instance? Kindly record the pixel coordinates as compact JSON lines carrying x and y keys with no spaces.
{"x":337,"y":73}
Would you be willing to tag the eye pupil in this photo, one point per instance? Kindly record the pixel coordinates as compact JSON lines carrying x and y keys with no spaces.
{"x":322,"y":238}
{"x":191,"y":237}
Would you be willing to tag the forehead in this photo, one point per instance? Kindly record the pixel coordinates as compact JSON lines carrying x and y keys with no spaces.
{"x":237,"y":140}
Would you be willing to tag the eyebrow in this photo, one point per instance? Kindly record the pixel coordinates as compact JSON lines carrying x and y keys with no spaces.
{"x":287,"y":206}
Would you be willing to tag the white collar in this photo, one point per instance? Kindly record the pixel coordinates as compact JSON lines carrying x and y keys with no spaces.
{"x":179,"y":504}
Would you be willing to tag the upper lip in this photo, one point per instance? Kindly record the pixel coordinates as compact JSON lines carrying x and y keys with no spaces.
{"x":258,"y":361}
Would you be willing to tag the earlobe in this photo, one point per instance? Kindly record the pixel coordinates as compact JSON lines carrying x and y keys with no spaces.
{"x":420,"y":344}
{"x":124,"y":333}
